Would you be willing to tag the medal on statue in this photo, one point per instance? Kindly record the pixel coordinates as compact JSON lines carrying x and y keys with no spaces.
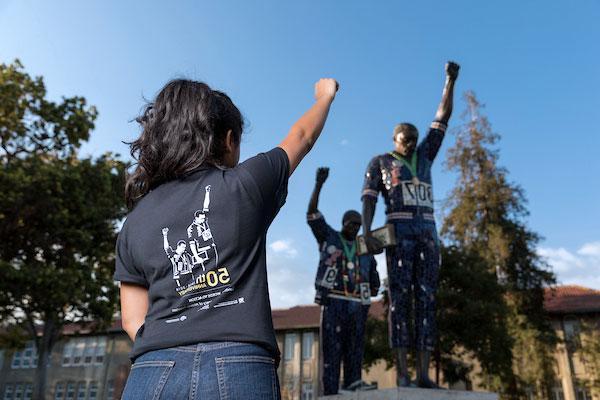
{"x":350,"y":254}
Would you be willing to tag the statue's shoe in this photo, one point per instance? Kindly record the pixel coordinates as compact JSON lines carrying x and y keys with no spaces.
{"x":404,"y":381}
{"x":428,"y":384}
{"x":358,"y":385}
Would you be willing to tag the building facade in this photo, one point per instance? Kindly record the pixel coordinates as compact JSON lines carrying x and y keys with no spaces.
{"x":86,"y":365}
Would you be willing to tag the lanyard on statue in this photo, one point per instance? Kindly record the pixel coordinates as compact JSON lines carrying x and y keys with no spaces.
{"x":350,"y":257}
{"x":350,"y":253}
{"x":412,"y":166}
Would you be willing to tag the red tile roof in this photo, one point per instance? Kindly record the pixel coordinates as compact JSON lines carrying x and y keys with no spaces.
{"x":309,"y":316}
{"x":572,"y":299}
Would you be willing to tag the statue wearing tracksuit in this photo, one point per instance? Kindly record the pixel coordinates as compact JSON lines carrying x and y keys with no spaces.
{"x":344,"y":285}
{"x":403,"y":177}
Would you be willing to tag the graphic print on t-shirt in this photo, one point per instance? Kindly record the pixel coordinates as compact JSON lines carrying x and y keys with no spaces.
{"x":195,"y":265}
{"x":200,"y":237}
{"x":180,"y":259}
{"x":201,"y":244}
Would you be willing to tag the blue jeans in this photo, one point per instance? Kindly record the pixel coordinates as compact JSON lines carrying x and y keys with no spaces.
{"x":204,"y":371}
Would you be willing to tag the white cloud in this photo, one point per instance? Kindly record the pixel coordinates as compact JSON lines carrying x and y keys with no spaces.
{"x":291,"y":281}
{"x":591,"y":250}
{"x":560,"y":259}
{"x":575,"y":268}
{"x":284,"y":247}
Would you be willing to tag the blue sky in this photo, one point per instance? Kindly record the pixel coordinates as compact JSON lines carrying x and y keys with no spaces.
{"x":534,"y":64}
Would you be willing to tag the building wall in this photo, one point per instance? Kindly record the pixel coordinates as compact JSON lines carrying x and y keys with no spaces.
{"x":104,"y":375}
{"x":298,"y":370}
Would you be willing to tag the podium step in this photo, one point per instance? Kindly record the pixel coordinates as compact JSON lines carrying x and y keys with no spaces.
{"x":413,"y":394}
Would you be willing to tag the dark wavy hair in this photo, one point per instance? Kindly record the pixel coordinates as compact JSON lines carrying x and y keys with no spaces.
{"x":183,"y":129}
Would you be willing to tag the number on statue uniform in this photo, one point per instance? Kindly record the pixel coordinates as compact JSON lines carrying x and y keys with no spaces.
{"x":328,"y":280}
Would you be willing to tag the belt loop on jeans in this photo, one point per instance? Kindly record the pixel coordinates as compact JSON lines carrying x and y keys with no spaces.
{"x":399,"y":215}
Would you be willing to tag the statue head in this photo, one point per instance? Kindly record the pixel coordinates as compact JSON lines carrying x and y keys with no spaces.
{"x":405,"y":138}
{"x":351,"y":222}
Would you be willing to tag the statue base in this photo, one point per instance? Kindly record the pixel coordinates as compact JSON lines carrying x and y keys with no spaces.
{"x":413,"y":394}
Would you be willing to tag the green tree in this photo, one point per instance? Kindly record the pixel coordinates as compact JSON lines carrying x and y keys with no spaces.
{"x":472,"y":320}
{"x":377,"y":342}
{"x":58,"y":216}
{"x":487,"y":217}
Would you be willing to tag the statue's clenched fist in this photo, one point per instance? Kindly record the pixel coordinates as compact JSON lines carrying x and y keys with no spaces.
{"x":452,"y":69}
{"x":322,"y":174}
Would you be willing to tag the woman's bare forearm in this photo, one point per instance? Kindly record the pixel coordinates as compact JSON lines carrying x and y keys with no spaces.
{"x":305,"y":132}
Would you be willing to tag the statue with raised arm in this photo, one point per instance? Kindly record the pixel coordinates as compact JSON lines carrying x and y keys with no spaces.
{"x":344,"y":283}
{"x":403,"y":177}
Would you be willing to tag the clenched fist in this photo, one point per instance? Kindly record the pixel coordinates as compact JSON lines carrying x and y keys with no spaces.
{"x":452,"y":70}
{"x":326,"y":87}
{"x":322,"y":174}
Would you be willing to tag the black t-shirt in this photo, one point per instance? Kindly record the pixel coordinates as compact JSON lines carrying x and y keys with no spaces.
{"x":198,"y":245}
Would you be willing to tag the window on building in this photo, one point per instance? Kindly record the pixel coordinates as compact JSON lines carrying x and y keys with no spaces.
{"x":557,"y":393}
{"x":8,"y":391}
{"x":29,"y":356}
{"x":307,"y":391}
{"x":290,"y":341}
{"x":307,"y":345}
{"x":110,"y":390}
{"x":572,"y":330}
{"x":89,"y":351}
{"x":28,"y":391}
{"x":70,"y":391}
{"x":529,"y":393}
{"x":68,"y":352}
{"x":1,"y":359}
{"x":101,"y":349}
{"x":81,"y":390}
{"x":18,"y":391}
{"x":583,"y":393}
{"x":26,"y":358}
{"x":59,"y":391}
{"x":84,"y":351}
{"x":78,"y":351}
{"x":16,"y":360}
{"x":93,"y":391}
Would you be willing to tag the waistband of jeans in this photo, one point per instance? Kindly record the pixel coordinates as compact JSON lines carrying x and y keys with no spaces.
{"x":204,"y":346}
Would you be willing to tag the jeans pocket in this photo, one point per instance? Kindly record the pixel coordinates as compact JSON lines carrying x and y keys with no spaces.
{"x":247,"y":378}
{"x":147,"y":379}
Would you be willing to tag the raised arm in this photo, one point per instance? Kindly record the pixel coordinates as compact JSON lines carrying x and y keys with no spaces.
{"x":445,"y":108}
{"x":313,"y":205}
{"x":165,"y":232}
{"x":305,"y":132}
